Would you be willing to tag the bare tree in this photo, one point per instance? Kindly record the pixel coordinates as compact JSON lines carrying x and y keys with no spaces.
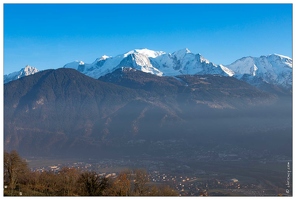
{"x":68,"y":179}
{"x":121,"y":186}
{"x":141,"y":180}
{"x":15,"y":168}
{"x":91,"y":184}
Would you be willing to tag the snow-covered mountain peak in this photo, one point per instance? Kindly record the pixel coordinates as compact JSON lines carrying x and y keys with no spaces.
{"x":280,"y":59}
{"x":26,"y":71}
{"x":273,"y":69}
{"x":104,"y":57}
{"x":146,"y":52}
{"x":281,"y":56}
{"x":242,"y":66}
{"x":181,"y":53}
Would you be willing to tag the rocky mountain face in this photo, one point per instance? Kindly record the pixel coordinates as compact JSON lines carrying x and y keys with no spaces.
{"x":64,"y":112}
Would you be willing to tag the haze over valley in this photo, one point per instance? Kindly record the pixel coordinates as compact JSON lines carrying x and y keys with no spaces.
{"x":174,"y":114}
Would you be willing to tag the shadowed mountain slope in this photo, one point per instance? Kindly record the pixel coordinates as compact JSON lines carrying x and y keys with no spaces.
{"x":64,"y":112}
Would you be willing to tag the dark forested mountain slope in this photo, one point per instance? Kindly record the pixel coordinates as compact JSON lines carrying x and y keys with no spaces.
{"x":65,"y":112}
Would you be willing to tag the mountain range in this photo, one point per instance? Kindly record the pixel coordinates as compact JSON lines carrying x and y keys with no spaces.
{"x":273,"y":69}
{"x":63,"y":111}
{"x":94,"y":109}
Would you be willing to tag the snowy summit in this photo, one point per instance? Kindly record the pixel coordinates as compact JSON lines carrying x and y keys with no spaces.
{"x":28,"y":70}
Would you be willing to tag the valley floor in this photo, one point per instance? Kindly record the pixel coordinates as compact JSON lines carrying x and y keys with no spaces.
{"x":194,"y":173}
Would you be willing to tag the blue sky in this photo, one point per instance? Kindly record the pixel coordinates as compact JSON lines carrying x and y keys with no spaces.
{"x":51,"y":35}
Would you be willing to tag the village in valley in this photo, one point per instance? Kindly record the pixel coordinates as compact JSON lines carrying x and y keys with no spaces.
{"x":201,"y":172}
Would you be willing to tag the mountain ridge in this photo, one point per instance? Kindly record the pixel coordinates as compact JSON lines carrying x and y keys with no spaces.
{"x":272,"y":69}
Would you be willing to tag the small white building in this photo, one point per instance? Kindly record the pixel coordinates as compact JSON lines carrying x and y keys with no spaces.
{"x":234,"y":180}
